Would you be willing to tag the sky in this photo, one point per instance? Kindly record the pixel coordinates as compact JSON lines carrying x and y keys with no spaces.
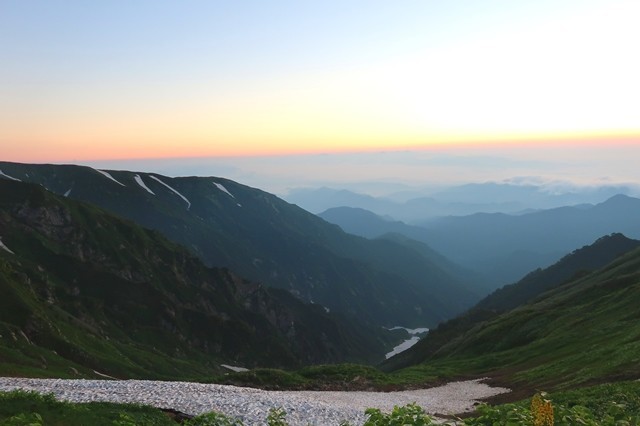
{"x":92,"y":82}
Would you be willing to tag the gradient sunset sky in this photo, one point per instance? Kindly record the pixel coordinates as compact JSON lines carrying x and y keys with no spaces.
{"x":85,"y":80}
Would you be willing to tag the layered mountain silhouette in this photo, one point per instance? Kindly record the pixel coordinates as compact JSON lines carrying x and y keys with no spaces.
{"x":501,"y":248}
{"x":415,"y":206}
{"x":267,"y":240}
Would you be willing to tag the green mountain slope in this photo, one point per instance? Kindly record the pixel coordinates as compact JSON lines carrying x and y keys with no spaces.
{"x":585,"y":330}
{"x":579,"y":262}
{"x":265,"y":239}
{"x":84,"y":289}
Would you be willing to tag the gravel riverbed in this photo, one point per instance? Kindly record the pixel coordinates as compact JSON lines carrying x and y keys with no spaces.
{"x":252,"y":405}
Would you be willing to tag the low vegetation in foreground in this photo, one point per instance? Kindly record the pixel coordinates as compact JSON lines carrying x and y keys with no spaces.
{"x":342,"y":377}
{"x":603,"y":405}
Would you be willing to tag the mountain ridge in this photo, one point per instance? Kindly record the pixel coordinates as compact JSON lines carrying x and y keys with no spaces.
{"x":265,"y":239}
{"x":84,"y":289}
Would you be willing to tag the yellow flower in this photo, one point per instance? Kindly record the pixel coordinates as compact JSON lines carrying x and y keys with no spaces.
{"x":542,"y":411}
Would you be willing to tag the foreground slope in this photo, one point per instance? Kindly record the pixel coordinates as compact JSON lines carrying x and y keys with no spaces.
{"x":263,"y":238}
{"x":584,"y":330}
{"x":84,"y":289}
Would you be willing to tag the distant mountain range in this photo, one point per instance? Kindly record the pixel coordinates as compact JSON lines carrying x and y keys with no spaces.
{"x":502,"y":248}
{"x":572,"y":323}
{"x":83,"y":290}
{"x":267,"y":240}
{"x":462,"y":200}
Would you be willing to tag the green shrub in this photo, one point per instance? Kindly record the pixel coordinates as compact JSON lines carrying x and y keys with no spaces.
{"x":213,"y":419}
{"x":277,"y":417}
{"x":24,"y":419}
{"x":411,"y":414}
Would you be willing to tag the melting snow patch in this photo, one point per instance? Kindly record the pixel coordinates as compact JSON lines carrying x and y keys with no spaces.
{"x":9,"y":177}
{"x":66,"y":194}
{"x":236,"y":369}
{"x":403,"y":346}
{"x":2,"y":246}
{"x":141,"y":183}
{"x":176,"y":192}
{"x":223,"y":189}
{"x":107,"y":175}
{"x":104,"y":375}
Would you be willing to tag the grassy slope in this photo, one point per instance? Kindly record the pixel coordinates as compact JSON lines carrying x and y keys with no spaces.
{"x":23,"y":408}
{"x":582,"y":332}
{"x":579,"y":262}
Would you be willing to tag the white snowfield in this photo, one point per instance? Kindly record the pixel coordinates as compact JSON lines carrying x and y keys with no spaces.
{"x":108,"y":176}
{"x":252,"y":405}
{"x":142,"y":184}
{"x":172,"y":189}
{"x":403,"y":346}
{"x":223,"y":189}
{"x":4,"y":247}
{"x":9,"y":177}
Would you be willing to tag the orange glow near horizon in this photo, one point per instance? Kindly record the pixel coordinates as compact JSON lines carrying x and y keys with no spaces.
{"x":427,"y":75}
{"x":102,"y":149}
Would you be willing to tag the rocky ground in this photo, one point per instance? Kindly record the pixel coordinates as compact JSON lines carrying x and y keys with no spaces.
{"x":252,"y":405}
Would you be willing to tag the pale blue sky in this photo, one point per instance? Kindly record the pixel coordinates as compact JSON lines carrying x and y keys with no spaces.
{"x":119,"y":79}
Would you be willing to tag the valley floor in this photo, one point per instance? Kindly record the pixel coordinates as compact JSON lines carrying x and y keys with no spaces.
{"x":252,"y":405}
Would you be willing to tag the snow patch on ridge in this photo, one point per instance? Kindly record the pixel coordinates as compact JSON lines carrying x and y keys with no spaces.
{"x":176,"y":192}
{"x":9,"y":177}
{"x":223,"y":189}
{"x":2,"y":246}
{"x":141,"y":183}
{"x":108,"y":176}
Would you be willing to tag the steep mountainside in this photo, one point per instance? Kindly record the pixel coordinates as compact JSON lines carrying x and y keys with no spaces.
{"x":265,"y":239}
{"x":584,"y":330}
{"x":82,"y":288}
{"x":369,"y":225}
{"x":579,"y":262}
